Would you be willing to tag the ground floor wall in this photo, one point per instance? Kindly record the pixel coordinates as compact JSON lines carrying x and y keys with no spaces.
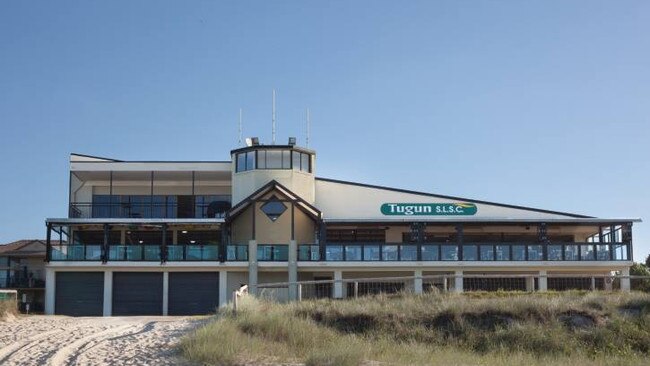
{"x":157,"y":290}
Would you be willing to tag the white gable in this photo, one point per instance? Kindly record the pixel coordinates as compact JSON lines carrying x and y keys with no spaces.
{"x":348,"y":201}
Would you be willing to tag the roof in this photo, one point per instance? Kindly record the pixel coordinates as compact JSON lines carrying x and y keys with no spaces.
{"x":270,"y":186}
{"x":83,"y":158}
{"x":27,"y":247}
{"x":456,"y":198}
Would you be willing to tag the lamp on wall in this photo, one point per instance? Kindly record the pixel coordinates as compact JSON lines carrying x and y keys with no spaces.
{"x":292,"y":141}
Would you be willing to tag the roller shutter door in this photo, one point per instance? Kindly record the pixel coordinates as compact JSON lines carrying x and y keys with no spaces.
{"x":137,"y":293}
{"x":79,"y":293}
{"x":193,"y":293}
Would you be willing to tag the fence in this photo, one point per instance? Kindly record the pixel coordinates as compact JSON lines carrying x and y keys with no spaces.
{"x":356,"y":287}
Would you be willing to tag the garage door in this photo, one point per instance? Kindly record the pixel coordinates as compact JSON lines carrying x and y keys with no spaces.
{"x":137,"y":293}
{"x":193,"y":293}
{"x":79,"y":293}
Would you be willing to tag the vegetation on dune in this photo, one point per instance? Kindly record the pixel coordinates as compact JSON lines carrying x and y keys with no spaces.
{"x":446,"y":329}
{"x":7,"y":307}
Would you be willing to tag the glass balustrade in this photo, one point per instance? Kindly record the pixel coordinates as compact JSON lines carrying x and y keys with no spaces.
{"x":350,"y":252}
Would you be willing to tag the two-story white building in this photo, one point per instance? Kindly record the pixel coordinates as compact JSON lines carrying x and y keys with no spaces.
{"x":177,"y":237}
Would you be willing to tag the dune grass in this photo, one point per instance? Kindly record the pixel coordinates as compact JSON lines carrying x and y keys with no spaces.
{"x":433,"y":329}
{"x":7,"y":308}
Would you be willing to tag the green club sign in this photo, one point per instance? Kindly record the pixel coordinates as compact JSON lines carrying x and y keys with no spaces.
{"x":428,"y":209}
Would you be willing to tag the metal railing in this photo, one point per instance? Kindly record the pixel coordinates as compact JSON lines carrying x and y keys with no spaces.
{"x":272,"y":252}
{"x":237,"y":252}
{"x":20,"y":281}
{"x":354,"y":252}
{"x":466,"y":252}
{"x":88,"y":210}
{"x":356,"y":287}
{"x":76,"y":252}
{"x":193,"y":252}
{"x":134,"y":252}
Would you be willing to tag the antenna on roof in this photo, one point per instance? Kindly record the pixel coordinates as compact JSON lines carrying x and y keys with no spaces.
{"x":273,"y":120}
{"x":308,"y":123}
{"x":240,"y":118}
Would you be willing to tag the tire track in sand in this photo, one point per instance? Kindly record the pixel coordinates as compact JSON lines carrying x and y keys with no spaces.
{"x":76,"y":348}
{"x":7,"y":352}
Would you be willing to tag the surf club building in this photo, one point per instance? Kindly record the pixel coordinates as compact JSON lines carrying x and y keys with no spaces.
{"x":178,"y":237}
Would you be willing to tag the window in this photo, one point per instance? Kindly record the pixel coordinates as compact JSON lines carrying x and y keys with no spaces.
{"x":301,"y":161}
{"x":470,"y":253}
{"x":430,"y":253}
{"x":620,"y":252}
{"x":487,"y":253}
{"x":361,"y":235}
{"x":502,"y":252}
{"x":535,"y":253}
{"x":211,"y":206}
{"x":245,"y":161}
{"x":554,"y":252}
{"x":408,"y":252}
{"x":286,"y":159}
{"x":241,"y":162}
{"x":273,"y":159}
{"x":449,"y":253}
{"x":273,"y":208}
{"x":305,"y":165}
{"x":518,"y":252}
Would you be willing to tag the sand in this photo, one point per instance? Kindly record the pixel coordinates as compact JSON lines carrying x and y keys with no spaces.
{"x":59,"y":340}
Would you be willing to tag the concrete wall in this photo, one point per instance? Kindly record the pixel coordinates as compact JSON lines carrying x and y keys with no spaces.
{"x":245,"y":183}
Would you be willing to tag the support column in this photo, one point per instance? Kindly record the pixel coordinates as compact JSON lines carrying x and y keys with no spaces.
{"x":338,"y":284}
{"x":223,"y":288}
{"x":108,"y":293}
{"x":165,"y":299}
{"x":50,"y":284}
{"x":458,"y":281}
{"x":252,"y":267}
{"x":417,"y":282}
{"x":625,"y":280}
{"x":542,"y":282}
{"x":530,"y":284}
{"x":293,"y":270}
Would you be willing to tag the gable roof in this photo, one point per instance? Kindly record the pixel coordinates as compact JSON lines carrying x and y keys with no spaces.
{"x":268,"y":187}
{"x":28,"y":247}
{"x":453,"y":198}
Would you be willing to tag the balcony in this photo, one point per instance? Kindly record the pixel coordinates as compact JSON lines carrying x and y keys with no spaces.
{"x":15,"y":281}
{"x":152,"y":206}
{"x":135,"y":253}
{"x":469,"y":252}
{"x":350,"y":252}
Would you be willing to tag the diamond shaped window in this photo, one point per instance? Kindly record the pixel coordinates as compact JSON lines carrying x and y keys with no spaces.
{"x":273,"y":208}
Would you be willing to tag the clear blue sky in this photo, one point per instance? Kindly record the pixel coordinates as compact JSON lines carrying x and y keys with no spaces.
{"x":537,"y":103}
